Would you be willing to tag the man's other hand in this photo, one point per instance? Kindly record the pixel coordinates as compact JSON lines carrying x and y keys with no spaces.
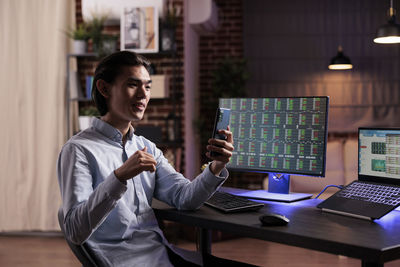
{"x":137,"y":163}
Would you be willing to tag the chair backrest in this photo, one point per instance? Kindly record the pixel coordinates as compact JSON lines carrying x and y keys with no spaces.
{"x":79,"y":250}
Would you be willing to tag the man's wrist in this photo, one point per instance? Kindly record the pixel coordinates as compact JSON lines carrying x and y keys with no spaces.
{"x":118,"y":176}
{"x":216,"y":167}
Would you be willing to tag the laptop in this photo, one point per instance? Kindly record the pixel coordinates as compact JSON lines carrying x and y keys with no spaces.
{"x":377,"y":190}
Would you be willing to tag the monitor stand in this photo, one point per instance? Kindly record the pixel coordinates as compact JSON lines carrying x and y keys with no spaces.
{"x":278,"y":190}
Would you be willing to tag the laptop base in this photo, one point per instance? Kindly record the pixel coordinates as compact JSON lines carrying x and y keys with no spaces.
{"x":347,"y":214}
{"x":265,"y":195}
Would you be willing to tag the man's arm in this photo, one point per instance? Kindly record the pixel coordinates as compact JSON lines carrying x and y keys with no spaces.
{"x":84,"y":208}
{"x":177,"y":191}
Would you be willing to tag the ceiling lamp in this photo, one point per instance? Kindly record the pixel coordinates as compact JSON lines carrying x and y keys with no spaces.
{"x":390,"y":32}
{"x":340,"y":61}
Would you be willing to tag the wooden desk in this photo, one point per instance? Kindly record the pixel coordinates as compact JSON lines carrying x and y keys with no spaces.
{"x":373,"y":242}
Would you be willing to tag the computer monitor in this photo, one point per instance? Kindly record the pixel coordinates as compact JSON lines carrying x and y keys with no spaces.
{"x":279,"y":136}
{"x":379,"y":155}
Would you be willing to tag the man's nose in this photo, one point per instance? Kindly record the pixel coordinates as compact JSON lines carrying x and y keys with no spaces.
{"x":141,"y":92}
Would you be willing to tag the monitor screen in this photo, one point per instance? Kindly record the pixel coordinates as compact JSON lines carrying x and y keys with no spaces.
{"x":279,"y":135}
{"x":379,"y":153}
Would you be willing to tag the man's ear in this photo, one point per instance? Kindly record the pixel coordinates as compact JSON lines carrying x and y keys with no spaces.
{"x":102,"y":87}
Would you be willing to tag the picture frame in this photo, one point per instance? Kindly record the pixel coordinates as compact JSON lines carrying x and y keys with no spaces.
{"x":139,"y":29}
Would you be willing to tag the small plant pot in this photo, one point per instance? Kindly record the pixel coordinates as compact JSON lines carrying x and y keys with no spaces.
{"x":79,"y":47}
{"x":85,"y":122}
{"x":109,"y":46}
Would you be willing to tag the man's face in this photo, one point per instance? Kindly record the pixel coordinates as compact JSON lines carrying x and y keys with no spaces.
{"x":129,"y":94}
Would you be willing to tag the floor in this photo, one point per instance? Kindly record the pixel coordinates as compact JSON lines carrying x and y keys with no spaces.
{"x":46,"y":251}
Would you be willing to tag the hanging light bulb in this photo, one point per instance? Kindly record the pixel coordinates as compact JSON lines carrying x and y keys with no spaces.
{"x":340,"y":61}
{"x":390,"y":32}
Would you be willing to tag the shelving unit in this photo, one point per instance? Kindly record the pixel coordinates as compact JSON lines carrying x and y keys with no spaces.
{"x":68,"y":87}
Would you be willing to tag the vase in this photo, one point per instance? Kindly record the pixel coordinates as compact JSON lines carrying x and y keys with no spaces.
{"x":109,"y":46}
{"x":167,"y":39}
{"x":79,"y":47}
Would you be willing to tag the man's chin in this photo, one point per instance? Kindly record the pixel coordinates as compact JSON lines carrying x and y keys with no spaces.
{"x":137,"y":117}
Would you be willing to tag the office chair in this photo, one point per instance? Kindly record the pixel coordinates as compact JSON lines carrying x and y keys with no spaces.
{"x":80,"y":251}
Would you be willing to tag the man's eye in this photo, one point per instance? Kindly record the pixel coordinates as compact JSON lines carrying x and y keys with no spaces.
{"x":132,"y":84}
{"x":148,"y":87}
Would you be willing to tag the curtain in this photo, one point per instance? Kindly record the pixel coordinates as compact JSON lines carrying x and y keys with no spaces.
{"x":288,"y":45}
{"x":33,"y":46}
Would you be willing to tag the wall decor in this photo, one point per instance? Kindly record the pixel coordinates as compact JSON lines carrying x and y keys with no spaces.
{"x":139,"y":29}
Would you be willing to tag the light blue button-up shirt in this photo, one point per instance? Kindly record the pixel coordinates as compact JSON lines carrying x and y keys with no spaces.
{"x":116,"y":220}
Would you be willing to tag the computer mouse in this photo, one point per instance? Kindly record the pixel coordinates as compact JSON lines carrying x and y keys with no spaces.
{"x":273,"y":219}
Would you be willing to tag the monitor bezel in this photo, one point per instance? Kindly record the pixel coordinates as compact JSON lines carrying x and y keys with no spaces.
{"x":256,"y":170}
{"x":374,"y":178}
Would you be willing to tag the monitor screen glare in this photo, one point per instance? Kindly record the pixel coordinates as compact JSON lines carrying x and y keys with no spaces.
{"x":279,"y":135}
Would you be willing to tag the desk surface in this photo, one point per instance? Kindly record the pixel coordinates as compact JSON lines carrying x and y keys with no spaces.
{"x":309,"y":227}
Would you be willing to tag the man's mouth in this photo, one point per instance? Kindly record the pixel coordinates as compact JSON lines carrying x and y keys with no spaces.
{"x":139,"y":106}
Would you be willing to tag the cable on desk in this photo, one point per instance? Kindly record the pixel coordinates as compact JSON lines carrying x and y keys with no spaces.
{"x":326,"y":187}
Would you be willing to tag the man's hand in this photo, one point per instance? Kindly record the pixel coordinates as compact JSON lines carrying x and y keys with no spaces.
{"x":224,"y":148}
{"x":137,"y":163}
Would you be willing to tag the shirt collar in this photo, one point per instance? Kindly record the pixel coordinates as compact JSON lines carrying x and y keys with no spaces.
{"x":109,"y":131}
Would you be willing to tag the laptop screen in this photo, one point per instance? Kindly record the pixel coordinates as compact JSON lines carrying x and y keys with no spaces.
{"x":379,"y":155}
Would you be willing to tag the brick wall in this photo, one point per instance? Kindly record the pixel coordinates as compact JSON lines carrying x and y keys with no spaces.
{"x":227,"y":41}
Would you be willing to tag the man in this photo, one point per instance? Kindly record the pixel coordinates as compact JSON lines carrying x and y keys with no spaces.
{"x":108,"y":175}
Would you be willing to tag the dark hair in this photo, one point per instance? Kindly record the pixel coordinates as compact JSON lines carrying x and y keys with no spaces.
{"x":109,"y":68}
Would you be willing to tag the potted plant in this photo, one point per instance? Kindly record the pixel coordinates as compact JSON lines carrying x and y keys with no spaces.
{"x":95,"y":28}
{"x":80,"y":35}
{"x":168,"y":24}
{"x":102,"y":44}
{"x":86,"y":115}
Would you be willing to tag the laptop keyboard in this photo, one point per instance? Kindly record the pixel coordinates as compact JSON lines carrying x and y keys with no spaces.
{"x":227,"y":202}
{"x":375,"y":193}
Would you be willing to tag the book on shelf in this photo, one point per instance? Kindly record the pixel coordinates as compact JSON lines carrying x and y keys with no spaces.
{"x":75,"y":88}
{"x":89,"y":83}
